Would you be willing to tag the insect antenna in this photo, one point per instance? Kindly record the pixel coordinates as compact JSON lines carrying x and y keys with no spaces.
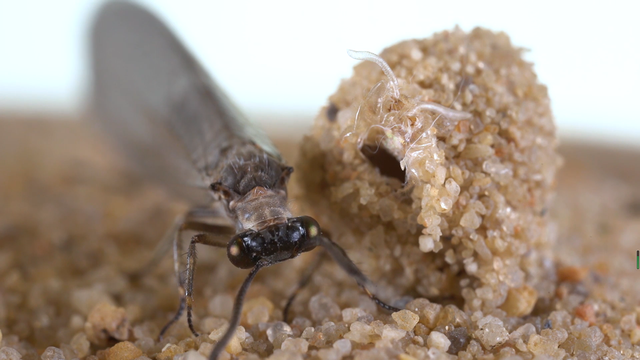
{"x":237,"y":310}
{"x":340,"y":257}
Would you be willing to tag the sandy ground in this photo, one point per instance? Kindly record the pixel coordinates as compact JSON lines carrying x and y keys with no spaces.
{"x":73,"y":222}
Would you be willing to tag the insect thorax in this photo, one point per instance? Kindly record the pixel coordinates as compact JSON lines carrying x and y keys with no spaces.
{"x":253,"y":185}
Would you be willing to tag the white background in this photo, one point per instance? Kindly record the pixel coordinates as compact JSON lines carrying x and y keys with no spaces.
{"x":284,"y":58}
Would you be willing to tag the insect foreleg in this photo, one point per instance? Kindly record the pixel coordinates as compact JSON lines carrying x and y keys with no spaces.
{"x":205,"y":239}
{"x":212,"y":235}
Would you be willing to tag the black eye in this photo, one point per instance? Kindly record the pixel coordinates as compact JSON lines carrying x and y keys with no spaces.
{"x":238,"y":255}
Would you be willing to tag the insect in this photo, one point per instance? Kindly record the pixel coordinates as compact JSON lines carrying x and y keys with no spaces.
{"x":161,"y":108}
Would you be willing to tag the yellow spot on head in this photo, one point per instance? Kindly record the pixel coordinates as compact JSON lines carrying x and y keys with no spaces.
{"x":313,"y":231}
{"x":234,"y":250}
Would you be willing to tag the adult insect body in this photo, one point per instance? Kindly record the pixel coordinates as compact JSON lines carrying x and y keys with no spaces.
{"x":175,"y":125}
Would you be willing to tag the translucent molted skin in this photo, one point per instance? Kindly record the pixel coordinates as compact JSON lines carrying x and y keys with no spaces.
{"x":274,"y":243}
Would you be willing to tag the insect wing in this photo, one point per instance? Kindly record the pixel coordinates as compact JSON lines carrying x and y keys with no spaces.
{"x":158,"y":104}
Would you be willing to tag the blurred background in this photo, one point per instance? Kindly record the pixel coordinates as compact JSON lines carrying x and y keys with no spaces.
{"x":280,"y":60}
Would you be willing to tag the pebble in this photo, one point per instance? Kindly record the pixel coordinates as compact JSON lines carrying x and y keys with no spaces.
{"x":427,"y":310}
{"x":405,"y":319}
{"x":146,"y":344}
{"x":572,"y":274}
{"x":307,"y":333}
{"x":438,"y":341}
{"x":7,"y":353}
{"x":592,"y":334}
{"x":391,"y":333}
{"x":520,"y":301}
{"x":169,"y":351}
{"x":124,"y":350}
{"x":586,"y":312}
{"x":257,"y":310}
{"x":205,"y":349}
{"x":86,"y":299}
{"x":349,"y":315}
{"x":234,"y":347}
{"x":343,"y":346}
{"x":279,"y":354}
{"x":68,"y":352}
{"x":323,"y":307}
{"x":473,"y":151}
{"x":193,"y":355}
{"x":635,"y":336}
{"x":278,"y":333}
{"x":360,"y":333}
{"x":540,"y":345}
{"x":105,"y":321}
{"x":296,"y":345}
{"x":559,"y":336}
{"x":426,"y":243}
{"x":329,"y":354}
{"x":217,"y":334}
{"x":452,"y":187}
{"x":278,"y":329}
{"x":491,"y":332}
{"x":523,"y":332}
{"x":628,"y":323}
{"x":406,"y":357}
{"x":52,"y":353}
{"x":470,"y":220}
{"x":459,"y":338}
{"x":81,"y":344}
{"x":210,"y":324}
{"x":372,"y":354}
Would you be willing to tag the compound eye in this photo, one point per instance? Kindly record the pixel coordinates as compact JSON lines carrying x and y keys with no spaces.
{"x":311,"y":227}
{"x":238,"y":255}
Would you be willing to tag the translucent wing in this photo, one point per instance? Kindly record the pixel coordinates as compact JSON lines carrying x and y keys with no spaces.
{"x":159,"y":105}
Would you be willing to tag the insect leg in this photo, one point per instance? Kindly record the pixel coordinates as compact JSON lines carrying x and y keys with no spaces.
{"x":237,"y":310}
{"x":205,"y":239}
{"x":306,"y":277}
{"x":212,"y":235}
{"x":340,"y":257}
{"x":169,"y":238}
